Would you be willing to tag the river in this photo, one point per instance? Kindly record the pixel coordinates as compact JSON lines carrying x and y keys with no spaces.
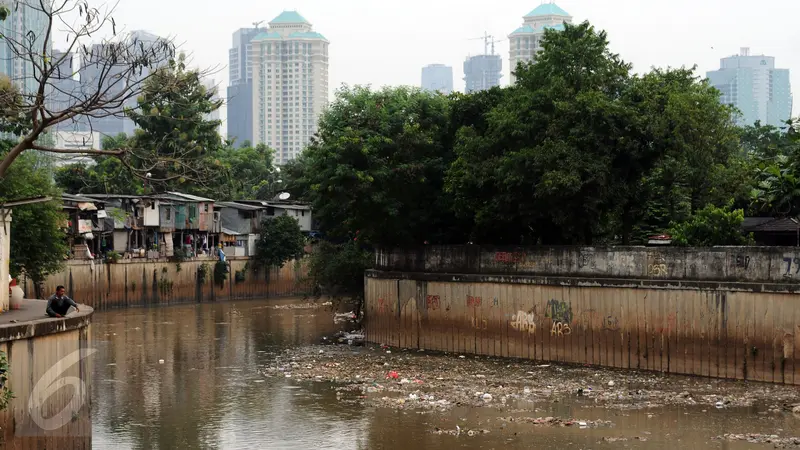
{"x":192,"y":377}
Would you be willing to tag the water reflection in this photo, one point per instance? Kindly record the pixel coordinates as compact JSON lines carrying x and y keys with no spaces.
{"x":209,"y":393}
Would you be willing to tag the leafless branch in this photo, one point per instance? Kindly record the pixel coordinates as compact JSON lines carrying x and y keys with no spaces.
{"x":112,"y":75}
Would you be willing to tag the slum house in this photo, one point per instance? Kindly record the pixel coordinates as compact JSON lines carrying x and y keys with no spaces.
{"x":88,"y":234}
{"x":142,"y":225}
{"x":196,"y":223}
{"x":274,"y":208}
{"x":239,"y":225}
{"x":779,"y":231}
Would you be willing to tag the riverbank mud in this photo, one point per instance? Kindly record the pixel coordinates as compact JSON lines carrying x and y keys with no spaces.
{"x":518,"y":390}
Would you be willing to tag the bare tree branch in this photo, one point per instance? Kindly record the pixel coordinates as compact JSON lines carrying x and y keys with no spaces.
{"x":116,"y":152}
{"x":113,"y":73}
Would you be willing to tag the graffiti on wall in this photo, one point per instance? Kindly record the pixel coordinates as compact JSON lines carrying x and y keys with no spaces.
{"x":656,"y":265}
{"x":479,"y":324}
{"x":672,"y":324}
{"x":610,"y":323}
{"x":520,"y":259}
{"x":381,"y":306}
{"x":474,"y":302}
{"x":432,"y":302}
{"x":560,"y":329}
{"x":586,"y":260}
{"x":558,"y":311}
{"x":524,"y":322}
{"x":789,"y":262}
{"x":742,"y":261}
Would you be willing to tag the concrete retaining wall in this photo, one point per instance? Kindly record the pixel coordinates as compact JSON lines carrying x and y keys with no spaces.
{"x":41,"y":354}
{"x":751,"y":264}
{"x":722,"y":312}
{"x":125,"y":283}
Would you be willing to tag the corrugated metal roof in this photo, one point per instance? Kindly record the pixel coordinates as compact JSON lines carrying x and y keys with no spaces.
{"x":77,"y":198}
{"x":230,"y":232}
{"x":242,"y":206}
{"x":190,"y":197}
{"x":769,"y":224}
{"x":292,"y":206}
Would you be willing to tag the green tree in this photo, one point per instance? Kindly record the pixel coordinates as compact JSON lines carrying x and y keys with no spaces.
{"x":243,"y":173}
{"x":680,"y":144}
{"x":39,"y":242}
{"x":777,"y":187}
{"x":106,"y":175}
{"x":377,"y":165}
{"x":279,"y":241}
{"x":175,"y":142}
{"x":337,"y":270}
{"x":120,"y":67}
{"x":711,"y":226}
{"x":542,"y":170}
{"x":764,"y":141}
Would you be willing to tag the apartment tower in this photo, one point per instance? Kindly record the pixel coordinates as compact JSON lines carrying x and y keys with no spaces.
{"x":752,"y":84}
{"x":525,"y":41}
{"x":290,"y":84}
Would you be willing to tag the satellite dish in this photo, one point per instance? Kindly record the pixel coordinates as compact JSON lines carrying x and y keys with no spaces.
{"x":284,"y":195}
{"x":278,"y":169}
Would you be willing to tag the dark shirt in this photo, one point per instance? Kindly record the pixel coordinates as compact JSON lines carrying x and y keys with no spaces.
{"x":59,"y":305}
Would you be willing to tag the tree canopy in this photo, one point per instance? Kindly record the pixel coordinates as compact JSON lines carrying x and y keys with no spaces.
{"x":279,"y":240}
{"x":41,"y":99}
{"x":579,"y":151}
{"x":39,"y":242}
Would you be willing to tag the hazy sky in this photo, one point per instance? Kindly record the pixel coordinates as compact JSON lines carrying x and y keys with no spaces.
{"x":388,"y":42}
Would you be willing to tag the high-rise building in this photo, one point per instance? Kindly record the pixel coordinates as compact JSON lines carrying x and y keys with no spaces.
{"x":26,"y":25}
{"x":98,"y":72}
{"x":482,"y":72}
{"x":211,"y":85}
{"x":437,"y":78}
{"x":752,"y":84}
{"x":240,"y":86}
{"x":63,"y":88}
{"x":290,"y":84}
{"x":525,"y":41}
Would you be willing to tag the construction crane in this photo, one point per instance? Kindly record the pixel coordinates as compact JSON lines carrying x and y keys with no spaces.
{"x":487,"y":41}
{"x":256,"y":24}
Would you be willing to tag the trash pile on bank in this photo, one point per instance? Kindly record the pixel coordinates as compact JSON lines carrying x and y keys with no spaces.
{"x":412,"y":379}
{"x":755,"y":438}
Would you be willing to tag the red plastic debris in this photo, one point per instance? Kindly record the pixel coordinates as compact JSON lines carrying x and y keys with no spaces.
{"x":393,"y":375}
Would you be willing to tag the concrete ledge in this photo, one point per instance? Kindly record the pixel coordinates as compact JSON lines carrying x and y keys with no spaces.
{"x":30,"y":321}
{"x":787,"y":288}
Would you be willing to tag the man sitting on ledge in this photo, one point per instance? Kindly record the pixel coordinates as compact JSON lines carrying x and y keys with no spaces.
{"x":58,"y":304}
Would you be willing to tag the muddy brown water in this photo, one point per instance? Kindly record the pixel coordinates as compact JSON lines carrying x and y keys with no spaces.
{"x":191,"y":377}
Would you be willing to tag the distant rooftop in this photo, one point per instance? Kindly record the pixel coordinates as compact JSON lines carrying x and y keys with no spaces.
{"x":190,"y":197}
{"x":289,"y":17}
{"x":524,"y":29}
{"x":307,"y":35}
{"x":527,"y":29}
{"x":266,"y":35}
{"x":547,"y":9}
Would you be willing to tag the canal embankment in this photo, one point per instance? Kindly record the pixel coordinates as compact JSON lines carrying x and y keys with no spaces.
{"x":47,"y":378}
{"x":130,"y":283}
{"x":724,"y":312}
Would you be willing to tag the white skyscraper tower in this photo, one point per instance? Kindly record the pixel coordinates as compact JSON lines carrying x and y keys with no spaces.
{"x":752,"y":84}
{"x":525,"y":41}
{"x":290,"y":84}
